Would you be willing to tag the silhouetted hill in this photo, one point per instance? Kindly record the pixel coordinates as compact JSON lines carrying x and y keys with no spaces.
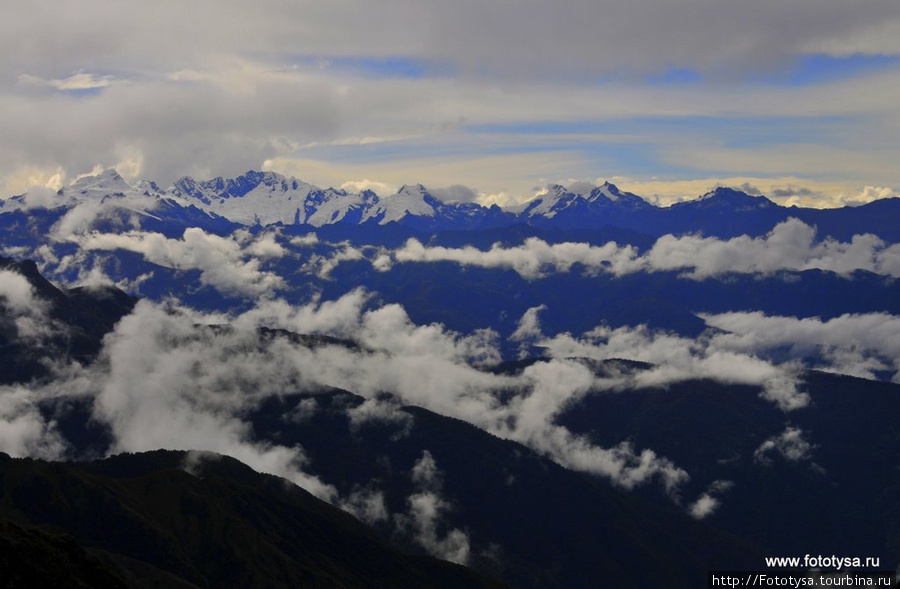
{"x":550,"y":527}
{"x":71,"y":324}
{"x":221,"y":525}
{"x":814,"y":480}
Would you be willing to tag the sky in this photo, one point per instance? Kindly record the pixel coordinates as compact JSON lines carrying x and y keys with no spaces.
{"x":795,"y":99}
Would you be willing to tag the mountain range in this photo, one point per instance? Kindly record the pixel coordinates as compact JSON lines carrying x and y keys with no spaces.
{"x":257,"y":382}
{"x":268,"y":198}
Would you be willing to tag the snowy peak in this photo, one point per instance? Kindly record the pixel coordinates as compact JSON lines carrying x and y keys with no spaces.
{"x":723,"y":197}
{"x":413,"y":201}
{"x":556,"y":198}
{"x":224,"y":188}
{"x":243,"y":185}
{"x":254,"y":198}
{"x":106,"y":184}
{"x":188,"y":188}
{"x":582,"y":203}
{"x":610,"y":194}
{"x":148,"y":188}
{"x":415,"y":194}
{"x":268,"y":198}
{"x":325,"y":207}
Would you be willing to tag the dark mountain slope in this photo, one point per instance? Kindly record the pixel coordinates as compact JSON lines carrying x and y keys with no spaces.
{"x":530,"y":521}
{"x":74,"y":323}
{"x":33,"y":558}
{"x":816,"y":480}
{"x":222,"y":526}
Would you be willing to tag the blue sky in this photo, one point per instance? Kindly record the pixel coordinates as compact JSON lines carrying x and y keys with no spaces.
{"x":666,"y":99}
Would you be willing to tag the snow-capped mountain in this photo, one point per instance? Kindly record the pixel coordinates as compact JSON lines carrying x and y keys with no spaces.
{"x":610,"y":194}
{"x":728,"y":198}
{"x":268,"y":198}
{"x":418,"y":208}
{"x":107,"y":186}
{"x":256,"y":198}
{"x":602,"y":201}
{"x":408,"y":201}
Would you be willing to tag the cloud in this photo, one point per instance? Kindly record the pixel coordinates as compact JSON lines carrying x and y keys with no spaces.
{"x":534,"y":259}
{"x":266,"y":85}
{"x":675,"y":359}
{"x":455,"y":193}
{"x":870,"y":194}
{"x":789,"y":444}
{"x":528,"y":329}
{"x":709,"y":501}
{"x":79,"y":80}
{"x":586,"y":37}
{"x":339,"y":317}
{"x":875,"y":39}
{"x":379,"y":188}
{"x":381,"y":410}
{"x":305,"y":240}
{"x":163,"y":382}
{"x":27,"y":312}
{"x":856,"y":344}
{"x":170,"y":385}
{"x":366,"y":504}
{"x":195,"y":385}
{"x":322,"y":266}
{"x":23,"y":430}
{"x":790,"y":246}
{"x":426,"y":511}
{"x":786,"y":190}
{"x":434,"y":368}
{"x":224,"y":262}
{"x":17,"y":293}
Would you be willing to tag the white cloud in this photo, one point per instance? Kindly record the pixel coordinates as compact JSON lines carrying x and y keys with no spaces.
{"x":258,"y":84}
{"x":222,"y":261}
{"x":381,"y":410}
{"x":339,"y":317}
{"x":708,"y":502}
{"x":534,"y":37}
{"x":674,"y":359}
{"x":427,"y":509}
{"x":170,"y":385}
{"x":455,"y":193}
{"x":529,"y":326}
{"x":17,"y":293}
{"x":855,"y":344}
{"x":305,"y":240}
{"x":27,"y":311}
{"x":379,"y":188}
{"x":366,"y":504}
{"x":789,"y":444}
{"x":322,"y":266}
{"x":163,"y":382}
{"x":79,"y":80}
{"x":23,"y":430}
{"x":791,"y":246}
{"x":534,"y":259}
{"x":194,"y":385}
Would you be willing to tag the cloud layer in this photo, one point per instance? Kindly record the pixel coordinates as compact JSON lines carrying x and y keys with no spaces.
{"x":230,"y":264}
{"x":790,"y":246}
{"x":164,"y":380}
{"x":375,"y":92}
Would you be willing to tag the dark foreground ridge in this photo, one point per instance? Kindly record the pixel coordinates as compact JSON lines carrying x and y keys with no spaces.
{"x":142,"y":520}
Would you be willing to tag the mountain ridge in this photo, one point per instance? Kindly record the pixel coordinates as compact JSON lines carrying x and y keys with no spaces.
{"x":268,"y":198}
